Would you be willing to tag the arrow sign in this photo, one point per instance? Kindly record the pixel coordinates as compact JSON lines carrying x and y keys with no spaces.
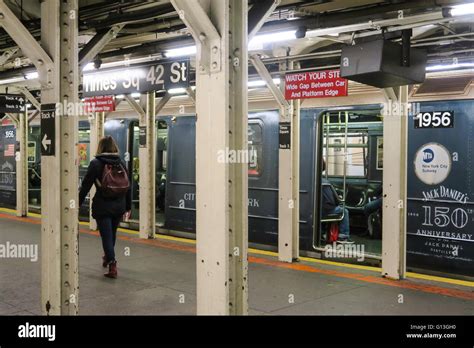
{"x":12,"y":103}
{"x":46,"y":142}
{"x":48,"y":129}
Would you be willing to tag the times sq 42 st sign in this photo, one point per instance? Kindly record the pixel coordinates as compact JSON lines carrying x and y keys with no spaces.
{"x":139,"y":78}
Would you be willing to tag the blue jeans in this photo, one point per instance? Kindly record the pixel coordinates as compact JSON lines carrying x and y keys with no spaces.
{"x":344,"y":224}
{"x":108,"y":232}
{"x":373,"y":206}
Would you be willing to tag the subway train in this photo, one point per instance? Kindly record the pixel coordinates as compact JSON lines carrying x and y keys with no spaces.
{"x":350,"y":139}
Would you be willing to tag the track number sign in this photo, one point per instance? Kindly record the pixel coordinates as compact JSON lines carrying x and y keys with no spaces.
{"x":434,"y":119}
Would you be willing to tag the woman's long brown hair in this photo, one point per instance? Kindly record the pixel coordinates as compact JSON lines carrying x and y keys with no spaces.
{"x":107,"y":145}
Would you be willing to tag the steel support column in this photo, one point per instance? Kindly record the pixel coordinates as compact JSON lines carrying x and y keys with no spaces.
{"x":219,"y":28}
{"x":288,"y":167}
{"x":394,"y":185}
{"x":96,"y":44}
{"x":288,"y":180}
{"x":96,"y":133}
{"x":56,"y":61}
{"x":22,"y":165}
{"x":59,"y":189}
{"x":147,"y":158}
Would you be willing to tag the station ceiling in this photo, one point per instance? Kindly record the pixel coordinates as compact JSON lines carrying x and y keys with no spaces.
{"x":152,"y":27}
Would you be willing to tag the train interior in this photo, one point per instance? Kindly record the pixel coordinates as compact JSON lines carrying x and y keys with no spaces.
{"x":352,"y":150}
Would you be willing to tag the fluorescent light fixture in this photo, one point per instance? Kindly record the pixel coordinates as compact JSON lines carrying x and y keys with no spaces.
{"x":29,"y":76}
{"x":12,"y":80}
{"x":180,"y":52}
{"x":255,"y":44}
{"x":260,"y":40}
{"x":443,"y":67}
{"x":88,"y":67}
{"x":28,"y":105}
{"x":136,"y":95}
{"x":261,"y":83}
{"x":177,"y":90}
{"x":119,"y":96}
{"x":32,"y":76}
{"x":463,"y":9}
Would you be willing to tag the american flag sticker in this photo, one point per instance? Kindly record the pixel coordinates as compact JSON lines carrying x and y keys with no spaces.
{"x":9,"y":151}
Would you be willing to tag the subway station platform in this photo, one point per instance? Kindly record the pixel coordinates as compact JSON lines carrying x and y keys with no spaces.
{"x":158,"y":277}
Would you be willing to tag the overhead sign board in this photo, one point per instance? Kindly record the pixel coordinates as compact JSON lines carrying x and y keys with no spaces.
{"x":12,"y":103}
{"x":315,"y":84}
{"x":153,"y":76}
{"x":101,"y":103}
{"x":48,"y":129}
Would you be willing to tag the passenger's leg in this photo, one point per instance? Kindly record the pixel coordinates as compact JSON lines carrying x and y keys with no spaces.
{"x":105,"y":229}
{"x":344,"y":226}
{"x":115,"y":225}
{"x":373,"y":206}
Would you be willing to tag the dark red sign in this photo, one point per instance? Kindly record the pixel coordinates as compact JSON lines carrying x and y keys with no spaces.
{"x":315,"y":84}
{"x":103,"y":103}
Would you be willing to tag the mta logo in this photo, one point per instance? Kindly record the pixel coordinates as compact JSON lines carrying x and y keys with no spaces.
{"x":428,"y":155}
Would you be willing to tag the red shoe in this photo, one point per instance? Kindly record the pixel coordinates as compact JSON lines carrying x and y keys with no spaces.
{"x":104,"y":261}
{"x":112,"y":273}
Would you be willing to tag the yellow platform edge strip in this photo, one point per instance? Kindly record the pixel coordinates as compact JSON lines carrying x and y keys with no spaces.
{"x":274,"y":254}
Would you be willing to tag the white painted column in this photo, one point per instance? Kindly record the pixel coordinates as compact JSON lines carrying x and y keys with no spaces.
{"x":59,"y":173}
{"x":147,"y":158}
{"x":395,"y":185}
{"x":56,"y":61}
{"x":22,"y":165}
{"x":220,"y":30}
{"x":288,"y":181}
{"x":96,"y":133}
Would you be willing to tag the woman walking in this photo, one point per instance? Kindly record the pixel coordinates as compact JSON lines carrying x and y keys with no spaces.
{"x":112,"y":199}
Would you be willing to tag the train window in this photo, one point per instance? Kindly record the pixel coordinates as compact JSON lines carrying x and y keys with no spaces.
{"x":379,"y":153}
{"x":83,"y":148}
{"x":31,"y":152}
{"x":162,"y":135}
{"x":135,"y":151}
{"x":255,"y":148}
{"x":356,"y":154}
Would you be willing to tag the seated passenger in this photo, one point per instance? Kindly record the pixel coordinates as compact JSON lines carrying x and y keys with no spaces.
{"x":160,"y":193}
{"x":330,"y":205}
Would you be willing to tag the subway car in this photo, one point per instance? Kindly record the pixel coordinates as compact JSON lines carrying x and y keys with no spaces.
{"x":350,"y":140}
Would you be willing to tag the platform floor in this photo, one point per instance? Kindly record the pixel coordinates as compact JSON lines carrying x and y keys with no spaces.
{"x":160,"y":273}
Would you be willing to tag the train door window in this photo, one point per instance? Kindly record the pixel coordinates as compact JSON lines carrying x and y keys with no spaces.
{"x":84,"y":148}
{"x":34,"y":167}
{"x":379,"y":153}
{"x":255,"y":149}
{"x":31,"y":152}
{"x":161,"y":168}
{"x":135,"y":170}
{"x":135,"y":159}
{"x":162,"y":143}
{"x":356,"y":154}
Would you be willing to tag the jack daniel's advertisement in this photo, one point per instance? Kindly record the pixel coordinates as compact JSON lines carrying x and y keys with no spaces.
{"x":440,"y":212}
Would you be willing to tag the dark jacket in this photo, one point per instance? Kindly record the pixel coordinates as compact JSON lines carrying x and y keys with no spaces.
{"x":330,"y":200}
{"x":103,"y":206}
